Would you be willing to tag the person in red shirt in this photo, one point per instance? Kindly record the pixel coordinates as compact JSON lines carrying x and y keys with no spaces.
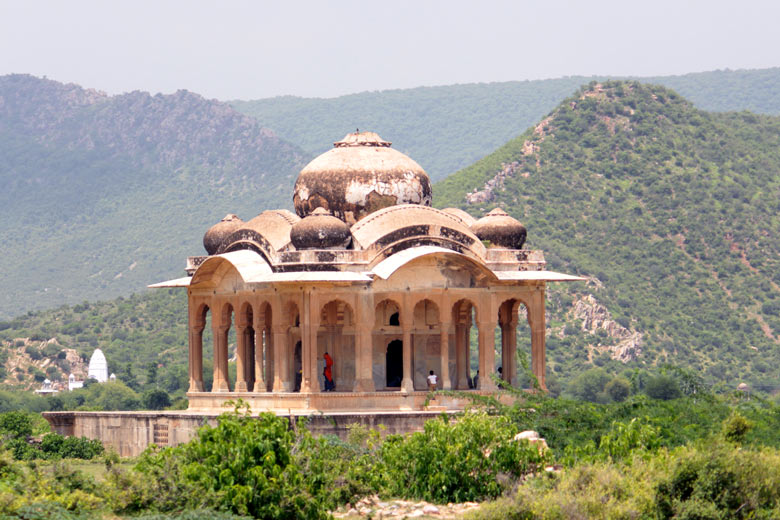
{"x":328,"y":373}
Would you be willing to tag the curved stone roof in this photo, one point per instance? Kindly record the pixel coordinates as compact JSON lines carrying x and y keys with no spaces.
{"x":217,"y":233}
{"x":320,"y":230}
{"x":500,"y":230}
{"x":397,"y":223}
{"x":269,"y":231}
{"x":359,"y":176}
{"x":462,"y":215}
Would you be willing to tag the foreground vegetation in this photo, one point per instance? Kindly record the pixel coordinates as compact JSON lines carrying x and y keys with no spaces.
{"x":696,"y":456}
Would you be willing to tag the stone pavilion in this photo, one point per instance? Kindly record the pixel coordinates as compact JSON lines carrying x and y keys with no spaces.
{"x":366,"y":270}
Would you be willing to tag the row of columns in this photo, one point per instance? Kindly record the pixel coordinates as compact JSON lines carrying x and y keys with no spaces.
{"x":275,"y":337}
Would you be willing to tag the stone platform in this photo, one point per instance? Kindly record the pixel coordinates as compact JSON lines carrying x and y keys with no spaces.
{"x":129,"y":433}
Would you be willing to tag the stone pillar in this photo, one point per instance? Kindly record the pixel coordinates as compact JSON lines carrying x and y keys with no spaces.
{"x":196,"y":358}
{"x":536,"y":320}
{"x":221,"y":383}
{"x":279,"y":348}
{"x":444,"y":339}
{"x":241,"y":348}
{"x":487,"y":355}
{"x":310,"y":322}
{"x":407,"y":321}
{"x":364,"y":345}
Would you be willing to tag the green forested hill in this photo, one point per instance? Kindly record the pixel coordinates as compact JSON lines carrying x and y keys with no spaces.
{"x":675,"y":213}
{"x":447,"y":128}
{"x":104,"y":195}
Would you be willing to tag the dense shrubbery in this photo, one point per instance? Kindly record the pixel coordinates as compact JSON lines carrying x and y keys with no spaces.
{"x":16,"y":429}
{"x":701,"y":456}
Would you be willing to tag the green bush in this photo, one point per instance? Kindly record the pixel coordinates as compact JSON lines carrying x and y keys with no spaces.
{"x":663,"y":387}
{"x":455,"y":460}
{"x":618,"y":389}
{"x":15,"y":425}
{"x":244,"y":465}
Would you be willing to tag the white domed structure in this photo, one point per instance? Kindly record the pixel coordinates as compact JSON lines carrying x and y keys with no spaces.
{"x":98,"y":367}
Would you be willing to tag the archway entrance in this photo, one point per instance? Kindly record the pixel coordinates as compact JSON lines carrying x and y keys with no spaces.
{"x":394,"y":363}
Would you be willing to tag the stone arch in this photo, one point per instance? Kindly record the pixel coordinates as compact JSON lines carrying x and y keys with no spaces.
{"x":515,"y":322}
{"x":386,"y":311}
{"x":387,"y":344}
{"x":264,"y":351}
{"x":426,"y":341}
{"x":336,"y":335}
{"x":465,"y":314}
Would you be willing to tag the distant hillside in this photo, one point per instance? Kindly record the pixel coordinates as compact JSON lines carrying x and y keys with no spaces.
{"x":447,"y":128}
{"x":673,"y":212}
{"x":103,"y":195}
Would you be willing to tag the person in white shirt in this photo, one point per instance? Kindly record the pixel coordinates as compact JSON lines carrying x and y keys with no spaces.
{"x":432,"y":381}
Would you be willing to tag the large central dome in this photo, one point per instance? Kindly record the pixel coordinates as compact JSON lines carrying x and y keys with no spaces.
{"x":360,"y":175}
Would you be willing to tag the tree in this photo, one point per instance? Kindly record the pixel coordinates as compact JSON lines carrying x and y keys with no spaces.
{"x":618,"y":389}
{"x":156,"y":399}
{"x":663,"y":387}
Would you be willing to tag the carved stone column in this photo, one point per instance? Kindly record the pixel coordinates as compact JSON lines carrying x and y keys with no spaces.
{"x":444,"y":340}
{"x":221,"y":383}
{"x":241,"y":348}
{"x":279,"y":348}
{"x":487,"y":354}
{"x":196,"y":358}
{"x":407,"y":321}
{"x":309,"y":325}
{"x":364,"y":345}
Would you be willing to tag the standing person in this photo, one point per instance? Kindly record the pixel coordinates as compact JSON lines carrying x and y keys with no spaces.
{"x":328,"y":373}
{"x":432,"y":381}
{"x":476,"y":381}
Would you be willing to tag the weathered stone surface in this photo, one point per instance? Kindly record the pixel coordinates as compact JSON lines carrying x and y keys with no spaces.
{"x":220,"y":231}
{"x":360,"y":175}
{"x":500,"y":230}
{"x":320,"y":230}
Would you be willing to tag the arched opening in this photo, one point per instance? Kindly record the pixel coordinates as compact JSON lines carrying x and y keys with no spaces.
{"x":426,"y":342}
{"x":388,"y":341}
{"x":515,"y":342}
{"x":394,"y":364}
{"x":464,"y":315}
{"x":288,"y":369}
{"x":336,"y":336}
{"x":263,"y":350}
{"x":245,"y":349}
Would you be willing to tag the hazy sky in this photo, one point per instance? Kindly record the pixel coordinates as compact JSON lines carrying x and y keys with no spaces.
{"x":253,"y":49}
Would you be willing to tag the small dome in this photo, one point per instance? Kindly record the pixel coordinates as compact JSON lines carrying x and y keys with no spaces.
{"x":219,"y":231}
{"x":320,"y":230}
{"x":360,"y":175}
{"x":501,"y":230}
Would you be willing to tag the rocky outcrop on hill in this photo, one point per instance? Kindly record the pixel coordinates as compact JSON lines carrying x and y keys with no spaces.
{"x":626,"y":344}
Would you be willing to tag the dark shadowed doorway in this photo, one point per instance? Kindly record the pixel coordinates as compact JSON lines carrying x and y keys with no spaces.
{"x":394,"y":363}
